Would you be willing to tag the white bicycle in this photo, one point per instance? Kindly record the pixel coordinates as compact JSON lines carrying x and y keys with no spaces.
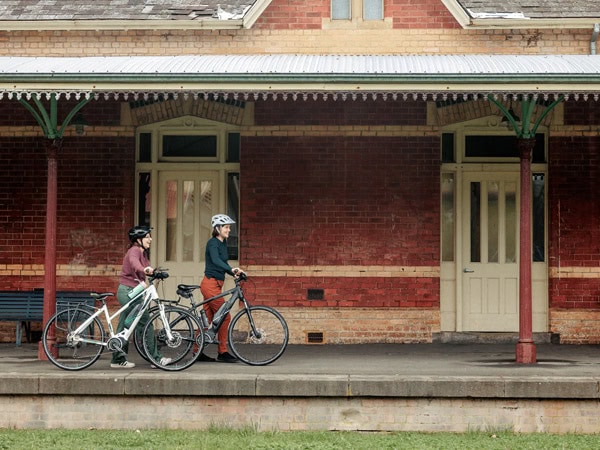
{"x":74,"y":338}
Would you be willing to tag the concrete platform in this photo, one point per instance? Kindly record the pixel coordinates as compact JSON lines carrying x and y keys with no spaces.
{"x":426,"y":387}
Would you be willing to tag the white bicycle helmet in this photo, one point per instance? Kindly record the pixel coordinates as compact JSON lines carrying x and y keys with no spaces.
{"x":221,"y":219}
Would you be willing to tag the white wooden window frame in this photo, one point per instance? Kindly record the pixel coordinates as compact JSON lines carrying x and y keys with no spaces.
{"x":357,"y":10}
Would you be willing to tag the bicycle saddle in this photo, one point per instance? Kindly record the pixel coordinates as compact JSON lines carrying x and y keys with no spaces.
{"x":101,"y":296}
{"x":185,"y":290}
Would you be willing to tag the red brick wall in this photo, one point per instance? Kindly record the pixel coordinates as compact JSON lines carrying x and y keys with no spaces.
{"x":342,"y":201}
{"x":294,"y":14}
{"x":305,"y":14}
{"x":341,"y":113}
{"x":95,"y":195}
{"x":353,"y":292}
{"x":574,"y":208}
{"x":22,"y":200}
{"x":581,"y":112}
{"x":419,"y":14}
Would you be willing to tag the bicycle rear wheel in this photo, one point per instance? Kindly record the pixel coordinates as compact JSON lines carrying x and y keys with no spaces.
{"x":67,"y":350}
{"x":258,"y":335}
{"x":178,"y":339}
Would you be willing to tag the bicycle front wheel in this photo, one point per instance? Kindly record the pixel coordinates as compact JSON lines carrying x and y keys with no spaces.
{"x":258,"y":335}
{"x":138,"y":339}
{"x":175,"y":343}
{"x":68,"y":350}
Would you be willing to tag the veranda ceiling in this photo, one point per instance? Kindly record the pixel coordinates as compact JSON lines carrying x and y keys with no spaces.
{"x":285,"y":76}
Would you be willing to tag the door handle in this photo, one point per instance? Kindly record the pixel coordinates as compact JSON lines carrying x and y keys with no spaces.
{"x":467,"y":270}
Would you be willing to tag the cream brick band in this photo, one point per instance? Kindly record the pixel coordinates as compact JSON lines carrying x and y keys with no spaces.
{"x":62,"y":270}
{"x":253,"y":270}
{"x":345,"y":271}
{"x":291,"y":271}
{"x":575,"y":272}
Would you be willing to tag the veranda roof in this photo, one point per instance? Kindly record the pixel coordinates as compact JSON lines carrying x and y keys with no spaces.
{"x":285,"y":75}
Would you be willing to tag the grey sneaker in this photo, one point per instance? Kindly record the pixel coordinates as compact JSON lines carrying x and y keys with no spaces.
{"x":165,"y":361}
{"x":122,"y":365}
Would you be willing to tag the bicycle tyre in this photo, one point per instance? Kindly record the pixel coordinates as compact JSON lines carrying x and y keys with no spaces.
{"x":63,"y":352}
{"x":185,"y":346}
{"x":138,"y":340}
{"x":262,"y":344}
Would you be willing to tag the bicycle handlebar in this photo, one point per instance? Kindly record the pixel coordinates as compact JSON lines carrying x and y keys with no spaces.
{"x":241,"y":277}
{"x":159,"y":274}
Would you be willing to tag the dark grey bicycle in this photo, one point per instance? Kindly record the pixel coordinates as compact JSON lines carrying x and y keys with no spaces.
{"x":258,"y":335}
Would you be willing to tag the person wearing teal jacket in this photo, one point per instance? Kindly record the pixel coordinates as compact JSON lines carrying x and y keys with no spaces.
{"x":217,"y":266}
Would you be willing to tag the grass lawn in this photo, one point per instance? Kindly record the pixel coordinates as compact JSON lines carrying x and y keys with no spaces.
{"x":225,"y":439}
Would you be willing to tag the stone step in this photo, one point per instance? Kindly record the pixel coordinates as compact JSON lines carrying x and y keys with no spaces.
{"x":472,"y":337}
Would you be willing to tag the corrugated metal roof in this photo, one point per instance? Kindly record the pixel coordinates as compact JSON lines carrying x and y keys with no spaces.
{"x":285,"y":73}
{"x":285,"y":64}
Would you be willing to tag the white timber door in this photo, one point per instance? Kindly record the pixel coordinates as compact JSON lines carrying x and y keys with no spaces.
{"x":187,"y":201}
{"x":490,"y":272}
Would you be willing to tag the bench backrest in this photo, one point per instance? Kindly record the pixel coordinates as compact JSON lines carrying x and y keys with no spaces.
{"x":21,"y":305}
{"x":29,"y":305}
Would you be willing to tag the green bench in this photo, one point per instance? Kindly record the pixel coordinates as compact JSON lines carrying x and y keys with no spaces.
{"x":24,"y":307}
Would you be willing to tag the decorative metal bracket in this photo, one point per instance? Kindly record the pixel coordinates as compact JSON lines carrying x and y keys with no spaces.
{"x":524,"y":129}
{"x":48,"y":120}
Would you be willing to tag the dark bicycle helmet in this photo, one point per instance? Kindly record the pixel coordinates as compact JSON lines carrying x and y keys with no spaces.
{"x":138,"y":232}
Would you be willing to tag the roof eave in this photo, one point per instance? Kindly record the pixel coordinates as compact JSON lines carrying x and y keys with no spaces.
{"x":550,"y":23}
{"x":254,"y":13}
{"x":99,"y":25}
{"x":458,"y":12}
{"x":466,"y":21}
{"x":167,"y":83}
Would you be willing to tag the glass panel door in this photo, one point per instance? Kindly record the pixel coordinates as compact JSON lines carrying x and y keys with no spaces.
{"x":187,"y":201}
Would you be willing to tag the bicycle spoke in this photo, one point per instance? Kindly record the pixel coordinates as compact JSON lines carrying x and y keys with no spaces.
{"x":174,"y":344}
{"x":66,"y":350}
{"x":258,"y":336}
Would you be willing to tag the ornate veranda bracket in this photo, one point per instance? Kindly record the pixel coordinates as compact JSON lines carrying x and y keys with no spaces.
{"x":523,"y":128}
{"x":48,"y":119}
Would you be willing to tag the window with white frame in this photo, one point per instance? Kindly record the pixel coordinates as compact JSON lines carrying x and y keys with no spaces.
{"x":359,"y":10}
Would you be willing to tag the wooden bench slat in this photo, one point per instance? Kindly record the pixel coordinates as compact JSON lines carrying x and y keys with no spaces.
{"x":25,"y":307}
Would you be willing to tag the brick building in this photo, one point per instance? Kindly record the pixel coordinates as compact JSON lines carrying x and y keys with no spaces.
{"x":367,"y":148}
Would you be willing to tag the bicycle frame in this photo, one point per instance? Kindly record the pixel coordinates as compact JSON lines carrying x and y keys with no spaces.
{"x":212,"y":328}
{"x":256,"y":335}
{"x":148,"y":293}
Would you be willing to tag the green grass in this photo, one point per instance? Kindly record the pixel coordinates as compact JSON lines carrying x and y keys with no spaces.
{"x":225,"y":439}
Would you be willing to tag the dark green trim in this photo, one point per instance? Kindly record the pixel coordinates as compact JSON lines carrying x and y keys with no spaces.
{"x":137,"y":79}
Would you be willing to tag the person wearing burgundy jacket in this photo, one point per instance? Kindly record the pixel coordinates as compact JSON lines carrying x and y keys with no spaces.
{"x":133,"y":272}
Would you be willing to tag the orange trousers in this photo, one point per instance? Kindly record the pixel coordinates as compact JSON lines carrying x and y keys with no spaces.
{"x":209,"y":288}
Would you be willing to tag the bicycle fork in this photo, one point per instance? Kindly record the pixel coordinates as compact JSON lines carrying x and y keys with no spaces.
{"x":166,"y":325}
